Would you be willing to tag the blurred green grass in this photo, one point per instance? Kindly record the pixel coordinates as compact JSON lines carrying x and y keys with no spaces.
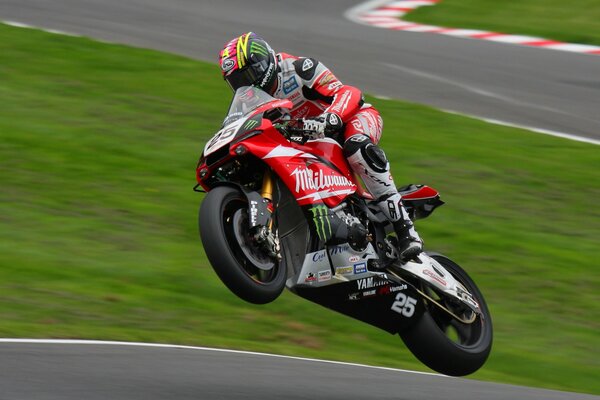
{"x":576,"y":21}
{"x":98,"y":229}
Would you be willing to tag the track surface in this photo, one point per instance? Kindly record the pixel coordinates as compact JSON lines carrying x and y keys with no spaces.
{"x":104,"y":371}
{"x":540,"y":88}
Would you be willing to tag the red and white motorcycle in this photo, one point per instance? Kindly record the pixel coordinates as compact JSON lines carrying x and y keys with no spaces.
{"x":271,"y":197}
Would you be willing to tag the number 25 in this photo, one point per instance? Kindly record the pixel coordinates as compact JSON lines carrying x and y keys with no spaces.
{"x":404,"y":305}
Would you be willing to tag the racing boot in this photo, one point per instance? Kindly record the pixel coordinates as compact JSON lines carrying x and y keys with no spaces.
{"x":410,"y":244}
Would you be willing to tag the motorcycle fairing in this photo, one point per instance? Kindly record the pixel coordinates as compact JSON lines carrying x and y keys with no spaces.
{"x":338,"y":278}
{"x":419,"y":200}
{"x":378,"y":306}
{"x":311,"y":179}
{"x":342,"y":261}
{"x":224,"y":136}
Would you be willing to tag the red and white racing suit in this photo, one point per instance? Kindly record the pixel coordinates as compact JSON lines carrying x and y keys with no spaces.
{"x":314,"y":90}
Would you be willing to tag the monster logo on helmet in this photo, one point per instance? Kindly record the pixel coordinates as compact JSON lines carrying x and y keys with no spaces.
{"x":248,"y":60}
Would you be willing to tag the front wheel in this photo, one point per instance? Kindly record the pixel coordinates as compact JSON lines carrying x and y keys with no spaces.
{"x":238,"y":261}
{"x":444,"y":343}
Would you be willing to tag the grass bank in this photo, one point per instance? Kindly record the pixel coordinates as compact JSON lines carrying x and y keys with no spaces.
{"x":98,"y":235}
{"x":575,"y":21}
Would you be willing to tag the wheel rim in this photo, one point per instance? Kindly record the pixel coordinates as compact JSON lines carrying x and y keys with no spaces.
{"x":250,"y":258}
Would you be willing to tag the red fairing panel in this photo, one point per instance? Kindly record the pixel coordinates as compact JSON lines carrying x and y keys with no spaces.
{"x":310,"y":180}
{"x":424,"y":192}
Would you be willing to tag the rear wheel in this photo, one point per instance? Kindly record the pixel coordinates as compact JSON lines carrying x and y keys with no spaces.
{"x":443,"y":342}
{"x":242,"y":265}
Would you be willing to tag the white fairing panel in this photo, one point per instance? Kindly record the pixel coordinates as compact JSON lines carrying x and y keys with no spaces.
{"x":348,"y":264}
{"x":432,"y":272}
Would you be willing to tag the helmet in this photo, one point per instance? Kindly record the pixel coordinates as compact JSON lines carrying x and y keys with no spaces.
{"x":249,"y":60}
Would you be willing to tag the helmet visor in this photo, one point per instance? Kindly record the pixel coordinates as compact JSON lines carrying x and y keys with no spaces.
{"x":248,"y":76}
{"x":242,"y":77}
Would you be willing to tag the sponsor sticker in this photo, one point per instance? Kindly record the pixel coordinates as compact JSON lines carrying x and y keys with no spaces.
{"x":369,"y":293}
{"x":370,"y":282}
{"x":307,"y":179}
{"x":339,"y":249}
{"x":290,"y":85}
{"x":334,"y":119}
{"x":344,"y":270}
{"x":227,"y":65}
{"x":310,"y":277}
{"x":435,"y":277}
{"x":334,"y":85}
{"x":322,"y":222}
{"x":391,"y":289}
{"x":267,"y":75}
{"x":354,"y":259}
{"x":307,"y":64}
{"x":324,"y":276}
{"x":342,"y":104}
{"x":328,"y":77}
{"x":251,"y":123}
{"x":253,"y":212}
{"x":319,"y":256}
{"x":360,"y":268}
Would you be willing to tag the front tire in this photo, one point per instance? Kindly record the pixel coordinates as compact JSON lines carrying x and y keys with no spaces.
{"x":442,"y":342}
{"x":237,"y":260}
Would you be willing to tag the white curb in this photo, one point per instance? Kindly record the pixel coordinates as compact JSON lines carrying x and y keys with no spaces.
{"x":387,"y":14}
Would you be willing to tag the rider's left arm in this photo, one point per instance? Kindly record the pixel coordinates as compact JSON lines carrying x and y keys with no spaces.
{"x":346,"y":99}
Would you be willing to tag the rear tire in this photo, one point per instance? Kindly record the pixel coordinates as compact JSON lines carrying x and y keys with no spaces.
{"x":443,"y":343}
{"x":239,"y":263}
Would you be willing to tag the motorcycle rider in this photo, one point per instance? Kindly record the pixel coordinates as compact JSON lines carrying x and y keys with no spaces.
{"x":328,"y":108}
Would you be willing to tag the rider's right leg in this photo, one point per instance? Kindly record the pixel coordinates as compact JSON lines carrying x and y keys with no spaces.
{"x":369,"y":161}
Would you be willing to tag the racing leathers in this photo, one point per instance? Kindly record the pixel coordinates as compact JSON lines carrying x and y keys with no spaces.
{"x":330,"y":108}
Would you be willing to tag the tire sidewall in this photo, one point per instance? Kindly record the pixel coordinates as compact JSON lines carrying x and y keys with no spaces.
{"x":221,"y":255}
{"x":432,"y":347}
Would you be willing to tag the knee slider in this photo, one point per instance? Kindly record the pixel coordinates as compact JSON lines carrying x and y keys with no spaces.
{"x":372,"y":154}
{"x":375,"y":157}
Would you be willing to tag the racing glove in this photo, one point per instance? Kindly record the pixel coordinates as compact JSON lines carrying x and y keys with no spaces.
{"x":325,"y":124}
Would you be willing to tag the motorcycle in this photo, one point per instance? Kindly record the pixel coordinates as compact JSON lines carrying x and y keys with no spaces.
{"x":283,"y":211}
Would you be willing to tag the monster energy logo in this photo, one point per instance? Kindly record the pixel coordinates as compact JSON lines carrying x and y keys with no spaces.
{"x":258,"y":48}
{"x":251,"y":123}
{"x":322,"y":223}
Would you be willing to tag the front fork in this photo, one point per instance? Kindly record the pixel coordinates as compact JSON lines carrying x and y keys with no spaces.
{"x":261,"y":217}
{"x":267,"y":193}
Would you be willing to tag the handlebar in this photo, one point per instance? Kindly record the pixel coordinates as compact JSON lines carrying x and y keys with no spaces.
{"x":292,"y":128}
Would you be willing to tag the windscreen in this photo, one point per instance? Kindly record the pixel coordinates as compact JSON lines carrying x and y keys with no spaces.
{"x":245,"y":100}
